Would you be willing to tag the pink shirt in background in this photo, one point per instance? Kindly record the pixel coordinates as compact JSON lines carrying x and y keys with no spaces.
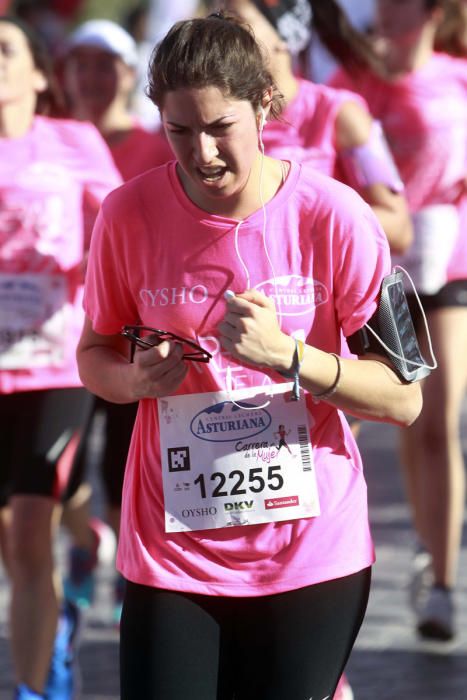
{"x":424,"y":117}
{"x":44,"y":178}
{"x":306,"y":129}
{"x":157,"y":258}
{"x":140,"y":150}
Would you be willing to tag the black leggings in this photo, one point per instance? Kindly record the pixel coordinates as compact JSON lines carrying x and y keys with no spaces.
{"x":118,"y":427}
{"x":37,"y":440}
{"x":290,"y":646}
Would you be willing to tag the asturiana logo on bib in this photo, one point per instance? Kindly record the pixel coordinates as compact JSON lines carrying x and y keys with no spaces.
{"x":226,"y":422}
{"x":295,"y":295}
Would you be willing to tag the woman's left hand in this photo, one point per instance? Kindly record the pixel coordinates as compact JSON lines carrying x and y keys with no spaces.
{"x":251,"y":333}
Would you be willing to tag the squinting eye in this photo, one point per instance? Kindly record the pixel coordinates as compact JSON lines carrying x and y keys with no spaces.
{"x":221,"y":127}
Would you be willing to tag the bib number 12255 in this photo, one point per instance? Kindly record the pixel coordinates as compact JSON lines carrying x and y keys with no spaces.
{"x":237,"y":483}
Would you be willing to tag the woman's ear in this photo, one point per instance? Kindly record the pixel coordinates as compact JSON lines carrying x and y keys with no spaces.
{"x":40,"y":81}
{"x":266,"y":101}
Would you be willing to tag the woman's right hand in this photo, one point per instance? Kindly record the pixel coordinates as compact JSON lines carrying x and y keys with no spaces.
{"x":158,"y":371}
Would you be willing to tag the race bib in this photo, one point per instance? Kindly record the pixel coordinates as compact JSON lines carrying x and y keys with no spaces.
{"x":436,"y":229}
{"x":33,"y":320}
{"x":238,"y":458}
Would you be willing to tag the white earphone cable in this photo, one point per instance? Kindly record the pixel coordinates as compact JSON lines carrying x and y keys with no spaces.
{"x":247,"y":273}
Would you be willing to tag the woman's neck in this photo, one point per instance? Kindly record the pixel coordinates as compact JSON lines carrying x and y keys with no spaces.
{"x":266,"y":178}
{"x":114,"y":120}
{"x":402,"y":62}
{"x":16,"y":119}
{"x":402,"y":58}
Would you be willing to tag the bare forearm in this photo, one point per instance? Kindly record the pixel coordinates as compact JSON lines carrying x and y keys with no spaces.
{"x":398,"y":229}
{"x":370,"y":389}
{"x":366,"y":388}
{"x":105,"y":368}
{"x":105,"y":372}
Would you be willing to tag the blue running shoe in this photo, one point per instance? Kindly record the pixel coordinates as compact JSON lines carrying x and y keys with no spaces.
{"x":79,"y":585}
{"x":23,"y":692}
{"x":62,"y":681}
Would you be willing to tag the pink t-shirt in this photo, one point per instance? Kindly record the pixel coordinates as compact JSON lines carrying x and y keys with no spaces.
{"x":139,"y":151}
{"x":306,"y":130}
{"x":45,"y":176}
{"x":169,"y":265}
{"x":424,"y":117}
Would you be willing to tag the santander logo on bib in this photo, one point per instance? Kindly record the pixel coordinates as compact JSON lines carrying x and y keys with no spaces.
{"x":294,"y":295}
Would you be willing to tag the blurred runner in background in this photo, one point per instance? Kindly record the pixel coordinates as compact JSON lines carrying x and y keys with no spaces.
{"x":422,"y":105}
{"x":99,"y":76}
{"x":47,"y":168}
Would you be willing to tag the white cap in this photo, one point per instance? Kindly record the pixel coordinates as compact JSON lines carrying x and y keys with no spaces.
{"x":106,"y":35}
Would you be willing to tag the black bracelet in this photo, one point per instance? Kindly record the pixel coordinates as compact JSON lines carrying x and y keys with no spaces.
{"x":294,"y":371}
{"x":335,"y":385}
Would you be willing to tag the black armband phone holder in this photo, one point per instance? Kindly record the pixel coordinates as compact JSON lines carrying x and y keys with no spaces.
{"x":390,"y":332}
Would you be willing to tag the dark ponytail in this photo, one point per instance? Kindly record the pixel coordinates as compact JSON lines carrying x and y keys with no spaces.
{"x":352,"y":48}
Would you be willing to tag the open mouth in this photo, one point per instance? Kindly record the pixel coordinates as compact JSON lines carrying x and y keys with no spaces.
{"x":212,"y":174}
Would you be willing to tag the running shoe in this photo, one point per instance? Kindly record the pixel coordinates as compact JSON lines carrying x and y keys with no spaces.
{"x":62,"y":682}
{"x":422,"y":579}
{"x":23,"y":692}
{"x":343,"y":690}
{"x":436,"y":618}
{"x":79,"y":586}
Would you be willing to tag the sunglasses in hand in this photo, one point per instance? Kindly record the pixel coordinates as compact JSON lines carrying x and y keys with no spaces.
{"x":147,"y":337}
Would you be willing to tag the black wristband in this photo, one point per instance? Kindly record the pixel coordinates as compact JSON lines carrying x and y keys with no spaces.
{"x":294,"y":371}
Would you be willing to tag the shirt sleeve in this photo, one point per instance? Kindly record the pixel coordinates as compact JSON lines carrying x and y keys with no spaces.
{"x":108,"y":300}
{"x":361,"y":252}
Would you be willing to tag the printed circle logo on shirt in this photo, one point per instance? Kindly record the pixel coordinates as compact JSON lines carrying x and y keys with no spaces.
{"x":227,"y":422}
{"x":294,"y":295}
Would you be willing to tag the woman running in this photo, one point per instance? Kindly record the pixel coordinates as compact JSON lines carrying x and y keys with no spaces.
{"x":244,"y":578}
{"x":422,"y":105}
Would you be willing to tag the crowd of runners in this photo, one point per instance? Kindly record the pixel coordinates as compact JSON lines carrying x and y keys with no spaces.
{"x":224,"y":265}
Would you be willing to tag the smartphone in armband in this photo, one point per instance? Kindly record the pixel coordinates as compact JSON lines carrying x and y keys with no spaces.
{"x":392,"y":326}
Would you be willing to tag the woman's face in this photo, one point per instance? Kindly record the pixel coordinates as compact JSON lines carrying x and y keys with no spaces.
{"x":401,"y":19}
{"x":19,"y":78}
{"x":215,"y":140}
{"x":95,"y":78}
